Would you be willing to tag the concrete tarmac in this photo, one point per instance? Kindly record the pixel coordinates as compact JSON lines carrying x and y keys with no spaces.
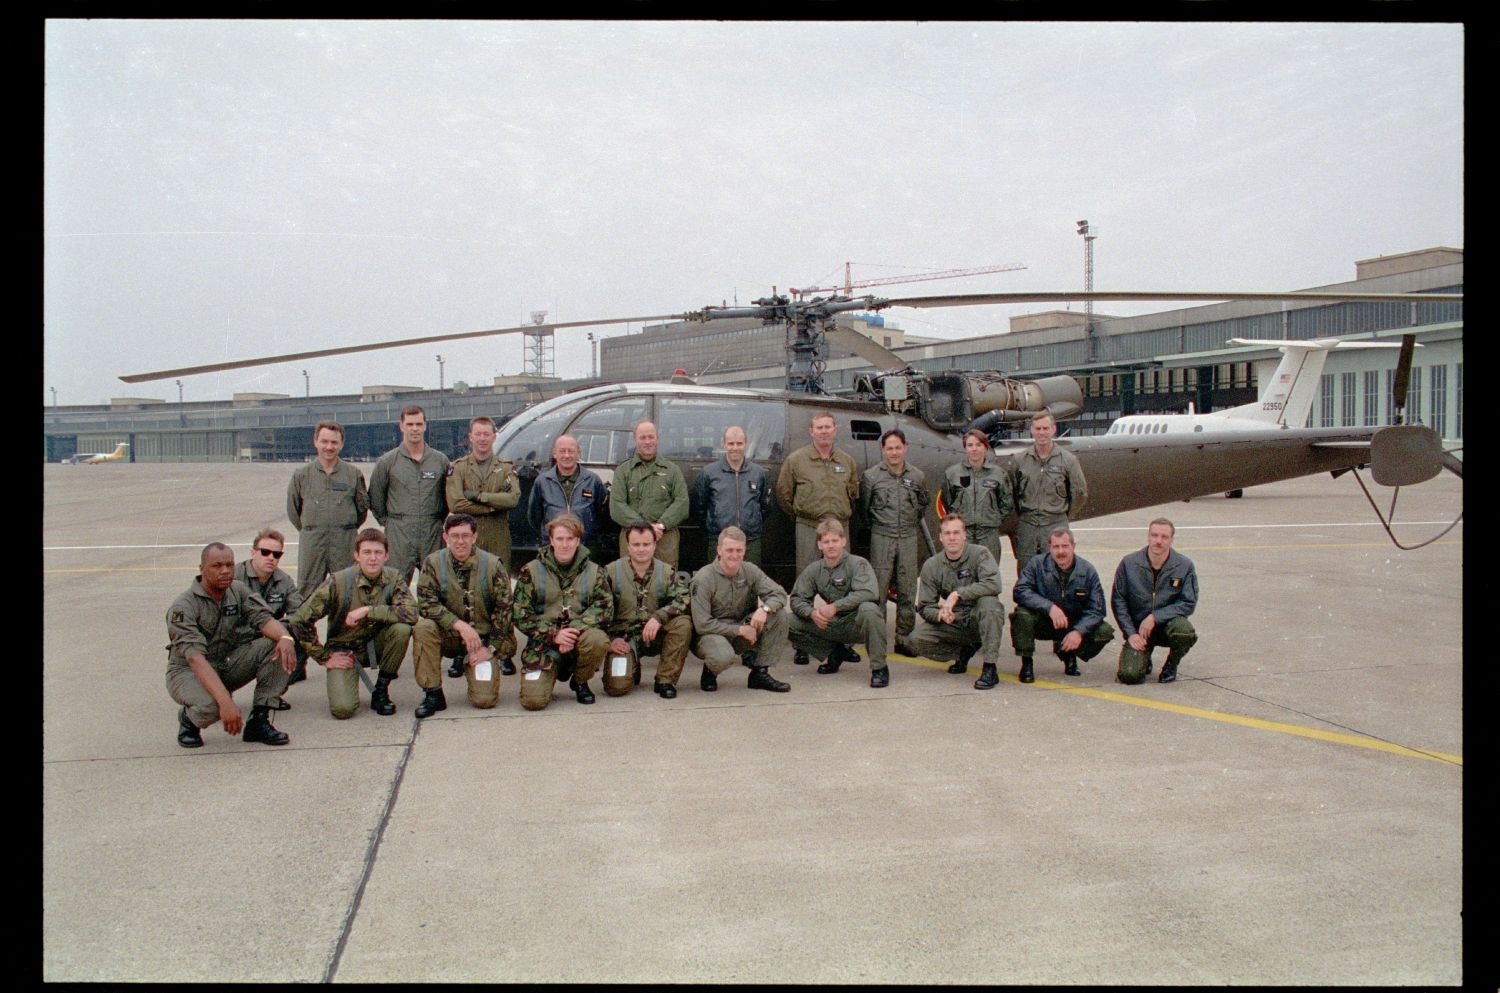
{"x":1288,"y":812}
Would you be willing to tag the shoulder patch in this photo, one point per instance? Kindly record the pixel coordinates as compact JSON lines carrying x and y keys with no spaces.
{"x":447,"y":470}
{"x":179,"y":617}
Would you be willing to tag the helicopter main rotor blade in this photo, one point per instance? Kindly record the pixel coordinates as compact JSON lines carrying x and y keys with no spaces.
{"x":147,"y":377}
{"x":975,"y":299}
{"x":871,"y":351}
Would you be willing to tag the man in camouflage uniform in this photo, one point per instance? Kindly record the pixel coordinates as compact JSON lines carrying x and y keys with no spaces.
{"x":1154,"y":591}
{"x":1059,"y":596}
{"x":486,"y":488}
{"x":407,"y":494}
{"x":464,"y":591}
{"x":1047,"y":486}
{"x":851,"y":611}
{"x":222,"y":636}
{"x":738,"y":615}
{"x":978,"y":490}
{"x":326,"y":501}
{"x":260,"y":573}
{"x":649,"y":489}
{"x":562,"y":605}
{"x":959,"y":605}
{"x":650,"y":617}
{"x":366,"y":602}
{"x":817,"y":481}
{"x":893,"y":498}
{"x":735,"y":491}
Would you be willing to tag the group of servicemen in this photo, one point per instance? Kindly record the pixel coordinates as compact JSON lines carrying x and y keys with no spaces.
{"x":449,"y":521}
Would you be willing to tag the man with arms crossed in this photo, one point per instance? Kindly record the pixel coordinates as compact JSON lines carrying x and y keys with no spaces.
{"x":733,"y":491}
{"x":568,"y":488}
{"x":651,"y":490}
{"x":485,"y":488}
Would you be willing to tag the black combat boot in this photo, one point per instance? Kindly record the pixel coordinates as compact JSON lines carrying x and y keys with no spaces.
{"x":507,"y":668}
{"x":831,"y":665}
{"x":299,"y":673}
{"x":1168,"y":671}
{"x":280,"y":704}
{"x":188,"y":735}
{"x":433,"y":700}
{"x":1070,"y":664}
{"x":880,"y":678}
{"x":380,"y":696}
{"x":456,"y":670}
{"x":761,"y":679}
{"x":989,"y":677}
{"x":961,"y":666}
{"x":1026,"y":675}
{"x":800,"y":658}
{"x":665,"y":690}
{"x":581,"y":691}
{"x":844,"y":653}
{"x":708,"y":682}
{"x":259,"y":728}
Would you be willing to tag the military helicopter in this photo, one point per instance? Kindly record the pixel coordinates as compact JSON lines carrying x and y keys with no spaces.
{"x":1124,"y":472}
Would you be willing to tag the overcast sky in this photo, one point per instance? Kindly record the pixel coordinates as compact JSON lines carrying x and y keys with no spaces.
{"x":230,"y":189}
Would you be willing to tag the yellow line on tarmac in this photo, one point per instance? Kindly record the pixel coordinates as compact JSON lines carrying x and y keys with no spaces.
{"x":1332,"y":737}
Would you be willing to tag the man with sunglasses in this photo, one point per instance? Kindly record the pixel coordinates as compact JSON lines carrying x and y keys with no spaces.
{"x":262,"y":574}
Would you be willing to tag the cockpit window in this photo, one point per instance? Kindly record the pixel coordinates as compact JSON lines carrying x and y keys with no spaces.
{"x":692,"y":427}
{"x":606,"y":434}
{"x":528,"y":436}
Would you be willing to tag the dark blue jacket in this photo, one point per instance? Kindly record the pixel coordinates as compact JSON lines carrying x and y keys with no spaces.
{"x":1173,"y":592}
{"x":723,"y":498}
{"x":1041,"y":587}
{"x":590,"y":502}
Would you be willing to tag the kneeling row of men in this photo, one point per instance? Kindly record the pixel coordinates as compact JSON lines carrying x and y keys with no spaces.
{"x":579,"y":617}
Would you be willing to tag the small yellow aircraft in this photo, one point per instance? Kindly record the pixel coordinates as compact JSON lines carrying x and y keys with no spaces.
{"x":94,"y":458}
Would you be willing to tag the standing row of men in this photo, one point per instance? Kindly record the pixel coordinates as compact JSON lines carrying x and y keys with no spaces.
{"x":572,"y":618}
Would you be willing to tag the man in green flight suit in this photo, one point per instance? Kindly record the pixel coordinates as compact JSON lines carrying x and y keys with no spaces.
{"x":260,"y":573}
{"x":852,"y":609}
{"x":1048,"y":489}
{"x":213,"y":650}
{"x":651,"y":490}
{"x":326,"y":501}
{"x":407,"y":494}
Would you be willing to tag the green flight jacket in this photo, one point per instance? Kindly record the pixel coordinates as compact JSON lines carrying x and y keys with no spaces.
{"x":982,"y":497}
{"x":810,"y":487}
{"x":389,"y":600}
{"x":487,"y":493}
{"x":722,"y":603}
{"x":317,"y":499}
{"x":974,"y":575}
{"x":893,"y":505}
{"x":476,"y":591}
{"x":400,"y":486}
{"x":199,"y":625}
{"x":845,"y":586}
{"x":654,"y":492}
{"x":1043,"y":490}
{"x":661,"y":595}
{"x":279,"y":592}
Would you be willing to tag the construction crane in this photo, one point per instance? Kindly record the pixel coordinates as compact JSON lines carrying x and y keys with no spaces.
{"x":850,"y":285}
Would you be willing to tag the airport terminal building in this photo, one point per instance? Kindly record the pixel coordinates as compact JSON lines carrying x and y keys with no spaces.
{"x":1148,"y":363}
